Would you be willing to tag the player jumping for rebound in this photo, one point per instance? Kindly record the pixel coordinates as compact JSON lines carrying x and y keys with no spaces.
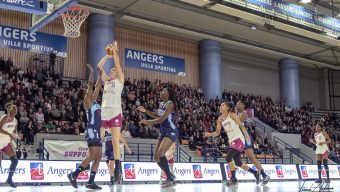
{"x":233,"y":126}
{"x":8,"y":125}
{"x":112,"y":103}
{"x":92,"y":135}
{"x":249,"y":145}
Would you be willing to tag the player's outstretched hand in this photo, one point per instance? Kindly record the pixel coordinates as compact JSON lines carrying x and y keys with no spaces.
{"x":114,"y":46}
{"x":141,"y":109}
{"x":143,"y":122}
{"x":89,"y":67}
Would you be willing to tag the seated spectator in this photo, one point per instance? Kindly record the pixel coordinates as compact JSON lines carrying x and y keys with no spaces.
{"x":55,"y":112}
{"x":68,"y":129}
{"x":50,"y":127}
{"x":58,"y":130}
{"x":125,"y":132}
{"x":40,"y":128}
{"x":143,"y":132}
{"x":69,"y":113}
{"x":21,"y":152}
{"x":154,"y":133}
{"x":39,"y":116}
{"x":133,"y":129}
{"x":257,"y":149}
{"x":76,"y":131}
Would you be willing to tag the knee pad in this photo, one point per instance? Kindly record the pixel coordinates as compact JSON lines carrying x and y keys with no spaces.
{"x":14,"y":163}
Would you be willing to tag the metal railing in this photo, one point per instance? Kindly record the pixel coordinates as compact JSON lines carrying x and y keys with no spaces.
{"x":43,"y":153}
{"x":293,"y":151}
{"x":214,"y":156}
{"x":140,"y":152}
{"x":182,"y":156}
{"x":258,"y":125}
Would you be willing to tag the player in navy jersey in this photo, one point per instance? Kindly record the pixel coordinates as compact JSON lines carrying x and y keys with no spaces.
{"x":109,"y":154}
{"x":168,"y":130}
{"x":92,"y":135}
{"x":249,"y":145}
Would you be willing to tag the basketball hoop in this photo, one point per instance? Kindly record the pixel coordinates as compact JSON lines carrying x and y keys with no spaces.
{"x":72,"y":19}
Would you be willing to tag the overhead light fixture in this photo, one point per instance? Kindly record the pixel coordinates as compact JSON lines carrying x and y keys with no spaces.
{"x":305,"y":1}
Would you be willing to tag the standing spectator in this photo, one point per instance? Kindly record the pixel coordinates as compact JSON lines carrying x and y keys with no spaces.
{"x":9,"y":65}
{"x":2,"y":64}
{"x":29,"y":133}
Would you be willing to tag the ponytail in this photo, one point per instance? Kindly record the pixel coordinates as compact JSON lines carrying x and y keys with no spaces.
{"x":172,"y":97}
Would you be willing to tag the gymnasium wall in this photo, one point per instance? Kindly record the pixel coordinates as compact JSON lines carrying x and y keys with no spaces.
{"x":309,"y":86}
{"x":261,"y":77}
{"x":242,"y":73}
{"x":128,"y":38}
{"x":75,"y":63}
{"x":250,"y":75}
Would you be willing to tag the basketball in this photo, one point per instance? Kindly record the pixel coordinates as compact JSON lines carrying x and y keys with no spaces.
{"x":109,"y":50}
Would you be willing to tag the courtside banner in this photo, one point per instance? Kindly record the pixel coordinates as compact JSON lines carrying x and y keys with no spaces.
{"x":71,"y":150}
{"x":311,"y":171}
{"x":154,"y":62}
{"x":28,"y":6}
{"x":149,"y":171}
{"x":22,"y":39}
{"x":328,"y":22}
{"x":49,"y":171}
{"x":290,"y":9}
{"x":274,"y":171}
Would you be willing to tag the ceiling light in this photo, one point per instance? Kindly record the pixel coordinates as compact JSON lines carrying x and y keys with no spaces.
{"x":305,"y":1}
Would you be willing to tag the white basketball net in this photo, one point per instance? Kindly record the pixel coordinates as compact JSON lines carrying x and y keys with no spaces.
{"x":72,"y":19}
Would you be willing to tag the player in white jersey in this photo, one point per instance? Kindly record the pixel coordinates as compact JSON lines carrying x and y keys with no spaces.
{"x":321,"y":140}
{"x":111,"y":102}
{"x":249,"y":145}
{"x":233,"y":126}
{"x":8,"y":126}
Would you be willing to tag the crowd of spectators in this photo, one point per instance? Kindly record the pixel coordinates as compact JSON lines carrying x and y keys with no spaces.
{"x":298,"y":121}
{"x":47,"y":104}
